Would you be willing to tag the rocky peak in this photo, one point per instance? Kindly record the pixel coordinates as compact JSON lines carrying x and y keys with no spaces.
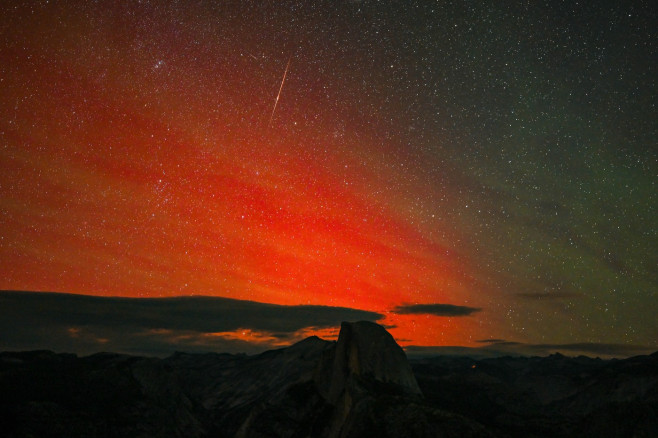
{"x":365,"y":351}
{"x":308,"y":346}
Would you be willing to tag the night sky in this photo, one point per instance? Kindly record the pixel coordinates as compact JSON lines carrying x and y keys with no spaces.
{"x":461,"y":172}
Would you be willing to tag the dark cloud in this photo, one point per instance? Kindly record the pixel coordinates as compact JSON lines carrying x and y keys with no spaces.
{"x":159,"y":326}
{"x":496,"y":342}
{"x":547,"y":295}
{"x":436,"y":309}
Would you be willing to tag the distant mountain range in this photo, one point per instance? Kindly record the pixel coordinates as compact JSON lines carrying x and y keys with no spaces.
{"x":360,"y":386}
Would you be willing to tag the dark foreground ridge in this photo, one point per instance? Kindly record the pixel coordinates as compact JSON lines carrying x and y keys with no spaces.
{"x":360,"y":386}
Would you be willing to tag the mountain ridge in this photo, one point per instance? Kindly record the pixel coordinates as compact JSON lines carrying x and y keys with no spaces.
{"x":360,"y":385}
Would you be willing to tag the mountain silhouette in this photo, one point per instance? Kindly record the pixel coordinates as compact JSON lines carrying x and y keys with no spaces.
{"x":362,"y":385}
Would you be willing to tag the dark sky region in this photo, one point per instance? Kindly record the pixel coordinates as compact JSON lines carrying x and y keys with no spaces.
{"x":465,"y":173}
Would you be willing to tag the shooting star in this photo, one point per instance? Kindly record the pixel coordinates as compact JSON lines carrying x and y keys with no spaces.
{"x":279,"y":95}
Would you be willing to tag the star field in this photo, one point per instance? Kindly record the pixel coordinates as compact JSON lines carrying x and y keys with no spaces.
{"x":497,"y":158}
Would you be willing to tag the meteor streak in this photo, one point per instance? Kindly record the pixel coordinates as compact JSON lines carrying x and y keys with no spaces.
{"x":279,"y":95}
